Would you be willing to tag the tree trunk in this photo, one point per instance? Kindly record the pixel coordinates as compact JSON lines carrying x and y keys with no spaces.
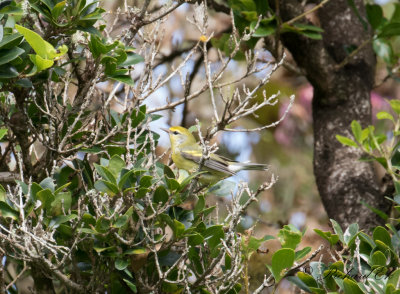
{"x":341,"y":94}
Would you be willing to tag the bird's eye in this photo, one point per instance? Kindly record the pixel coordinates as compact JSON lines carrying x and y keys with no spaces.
{"x":175,"y":133}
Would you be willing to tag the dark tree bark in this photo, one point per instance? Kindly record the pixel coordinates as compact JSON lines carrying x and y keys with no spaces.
{"x":341,"y":94}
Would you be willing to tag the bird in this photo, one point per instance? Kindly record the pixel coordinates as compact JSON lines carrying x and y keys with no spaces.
{"x":187,"y":154}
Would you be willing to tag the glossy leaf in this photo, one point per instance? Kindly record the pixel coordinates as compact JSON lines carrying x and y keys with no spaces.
{"x":281,"y":260}
{"x":346,"y":141}
{"x":2,"y":193}
{"x":289,"y":237}
{"x":391,"y":29}
{"x":132,"y":59}
{"x":42,"y":48}
{"x":381,"y":234}
{"x":7,"y":55}
{"x":116,"y":164}
{"x":160,"y":195}
{"x":213,"y":235}
{"x":351,"y":287}
{"x":374,"y":15}
{"x":58,"y":220}
{"x":3,"y":132}
{"x":106,"y":187}
{"x":40,"y":63}
{"x":331,"y":238}
{"x":123,"y":79}
{"x":11,"y":41}
{"x":7,"y":211}
{"x":357,"y":130}
{"x":121,"y":264}
{"x":62,"y":203}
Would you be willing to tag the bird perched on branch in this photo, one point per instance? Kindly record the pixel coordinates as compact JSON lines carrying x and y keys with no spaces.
{"x":187,"y":154}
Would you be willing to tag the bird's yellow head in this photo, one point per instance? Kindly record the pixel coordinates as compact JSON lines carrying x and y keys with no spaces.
{"x":180,"y":137}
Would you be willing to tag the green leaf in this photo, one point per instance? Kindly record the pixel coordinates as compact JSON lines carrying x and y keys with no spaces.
{"x":123,"y":79}
{"x":378,"y":258}
{"x":173,"y":184}
{"x":357,"y":130}
{"x":61,"y":200}
{"x":351,"y":233}
{"x":391,"y":29}
{"x":299,"y":283}
{"x":168,"y":172}
{"x":346,"y":141}
{"x":8,"y":72}
{"x":395,"y":104}
{"x":289,"y":237}
{"x":99,"y":249}
{"x":121,"y":221}
{"x":106,"y":187}
{"x":121,"y":264}
{"x":307,"y":279}
{"x":263,"y":30}
{"x":116,"y":164}
{"x":46,"y":197}
{"x":58,"y":220}
{"x":8,"y":55}
{"x":48,"y":183}
{"x":338,"y":230}
{"x":384,"y":115}
{"x":384,"y":50}
{"x":200,"y":205}
{"x":302,"y":253}
{"x":105,"y":173}
{"x":24,"y":83}
{"x":145,"y":181}
{"x":178,"y":228}
{"x":195,"y":239}
{"x":374,"y":15}
{"x":2,"y":193}
{"x":7,"y":211}
{"x":394,"y":276}
{"x":136,"y":251}
{"x":331,"y":238}
{"x":11,"y":41}
{"x":281,"y":260}
{"x":98,"y":47}
{"x":381,"y":234}
{"x":42,"y":48}
{"x":351,"y":287}
{"x":40,"y":63}
{"x":213,"y":235}
{"x":3,"y":132}
{"x":58,"y":9}
{"x":253,"y":243}
{"x":309,"y":31}
{"x":131,"y":59}
{"x":103,"y":224}
{"x":59,"y":189}
{"x":160,"y":195}
{"x":131,"y":285}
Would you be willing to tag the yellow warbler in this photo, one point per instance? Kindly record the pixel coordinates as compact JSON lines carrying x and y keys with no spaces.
{"x":187,"y":154}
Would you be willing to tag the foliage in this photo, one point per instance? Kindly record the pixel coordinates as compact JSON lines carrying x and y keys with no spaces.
{"x":89,"y":206}
{"x":379,"y":147}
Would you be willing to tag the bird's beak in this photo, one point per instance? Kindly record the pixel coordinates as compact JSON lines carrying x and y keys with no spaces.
{"x":165,"y":130}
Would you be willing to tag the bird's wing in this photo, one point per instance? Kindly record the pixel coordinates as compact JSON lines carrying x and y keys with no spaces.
{"x":215,"y":162}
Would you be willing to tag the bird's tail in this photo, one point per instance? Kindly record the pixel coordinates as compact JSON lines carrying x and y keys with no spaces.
{"x":238,"y":166}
